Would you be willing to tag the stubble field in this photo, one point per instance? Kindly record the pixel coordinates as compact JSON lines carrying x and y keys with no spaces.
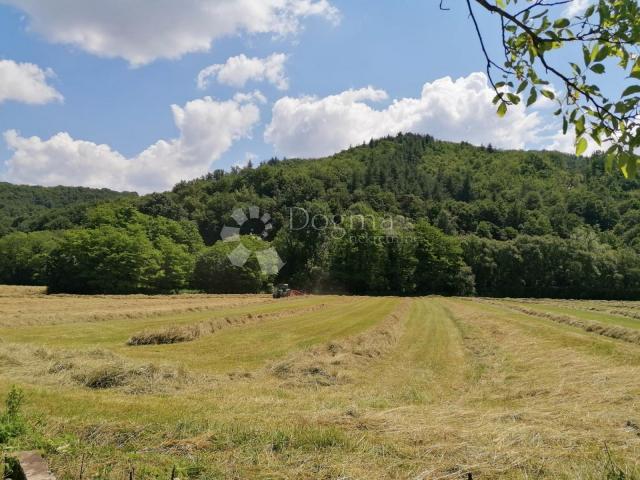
{"x":325,"y":386}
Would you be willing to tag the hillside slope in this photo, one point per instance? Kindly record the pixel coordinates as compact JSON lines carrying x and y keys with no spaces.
{"x":461,"y":188}
{"x":28,"y":208}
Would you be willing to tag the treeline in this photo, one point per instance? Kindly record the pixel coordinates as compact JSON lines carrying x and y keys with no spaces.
{"x":121,"y":250}
{"x":547,"y":266}
{"x":436,"y":217}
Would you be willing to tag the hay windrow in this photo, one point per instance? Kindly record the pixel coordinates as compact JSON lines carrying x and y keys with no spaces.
{"x":188,"y":333}
{"x":167,"y":336}
{"x":329,"y":364}
{"x":95,"y":369}
{"x":611,"y":307}
{"x":611,"y":331}
{"x":31,"y":310}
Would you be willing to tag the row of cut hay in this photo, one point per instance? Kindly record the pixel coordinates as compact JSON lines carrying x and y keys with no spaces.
{"x":634,"y":315}
{"x":593,"y":305}
{"x":81,"y":315}
{"x":166,"y":336}
{"x":603,"y":305}
{"x":329,"y":364}
{"x":610,"y":307}
{"x":611,"y":331}
{"x":613,"y":307}
{"x":94,"y":369}
{"x":188,"y":333}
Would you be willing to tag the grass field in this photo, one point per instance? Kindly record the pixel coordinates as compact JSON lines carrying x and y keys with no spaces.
{"x":325,"y":386}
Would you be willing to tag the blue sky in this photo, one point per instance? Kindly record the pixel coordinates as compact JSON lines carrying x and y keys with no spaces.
{"x":354,"y":69}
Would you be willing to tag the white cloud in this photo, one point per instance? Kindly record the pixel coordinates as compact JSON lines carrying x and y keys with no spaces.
{"x":141,"y":31}
{"x":448,"y":109}
{"x":567,"y":143}
{"x":256,"y":96}
{"x":207,"y":128}
{"x":27,"y":83}
{"x":239,"y":70}
{"x":576,"y":7}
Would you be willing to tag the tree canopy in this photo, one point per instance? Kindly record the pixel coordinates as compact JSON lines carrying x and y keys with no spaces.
{"x":601,"y":39}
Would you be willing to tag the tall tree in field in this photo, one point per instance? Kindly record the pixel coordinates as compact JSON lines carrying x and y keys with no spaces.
{"x":601,"y":38}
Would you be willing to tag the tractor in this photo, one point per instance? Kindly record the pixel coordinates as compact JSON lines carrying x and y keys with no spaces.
{"x":282,"y":290}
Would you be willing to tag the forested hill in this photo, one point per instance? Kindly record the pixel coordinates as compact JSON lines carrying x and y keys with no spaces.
{"x":460,"y":188}
{"x":28,"y":208}
{"x":453,"y":219}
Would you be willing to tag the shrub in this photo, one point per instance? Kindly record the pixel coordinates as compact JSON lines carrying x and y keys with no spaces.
{"x":11,"y":422}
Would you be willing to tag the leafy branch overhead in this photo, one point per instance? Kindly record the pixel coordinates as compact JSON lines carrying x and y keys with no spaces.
{"x":602,"y":39}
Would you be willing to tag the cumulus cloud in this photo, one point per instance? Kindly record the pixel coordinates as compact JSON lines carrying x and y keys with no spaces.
{"x":143,"y":30}
{"x":239,"y":70}
{"x":448,"y":109}
{"x":207,"y":129}
{"x":27,"y":83}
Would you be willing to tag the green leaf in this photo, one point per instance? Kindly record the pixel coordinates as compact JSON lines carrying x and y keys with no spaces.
{"x":609,"y":163}
{"x":549,"y":94}
{"x":533,"y":96}
{"x":631,"y":90}
{"x":635,"y":71}
{"x":587,"y":55}
{"x":502,"y":110}
{"x":630,"y":166}
{"x":602,"y":53}
{"x":598,"y":68}
{"x":580,"y":128}
{"x":581,"y":146}
{"x":513,"y":98}
{"x":522,"y":86}
{"x":561,"y":23}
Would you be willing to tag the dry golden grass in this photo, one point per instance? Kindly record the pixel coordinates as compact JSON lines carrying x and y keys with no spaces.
{"x":350,"y":388}
{"x":21,"y":306}
{"x":17,"y":291}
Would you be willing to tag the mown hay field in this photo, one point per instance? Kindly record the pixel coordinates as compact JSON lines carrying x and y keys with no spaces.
{"x":325,"y":386}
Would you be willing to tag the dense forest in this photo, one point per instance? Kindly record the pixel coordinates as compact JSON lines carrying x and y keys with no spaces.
{"x":25,"y":208}
{"x":400,"y":215}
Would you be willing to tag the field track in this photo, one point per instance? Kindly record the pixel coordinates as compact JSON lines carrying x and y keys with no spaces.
{"x":326,"y":387}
